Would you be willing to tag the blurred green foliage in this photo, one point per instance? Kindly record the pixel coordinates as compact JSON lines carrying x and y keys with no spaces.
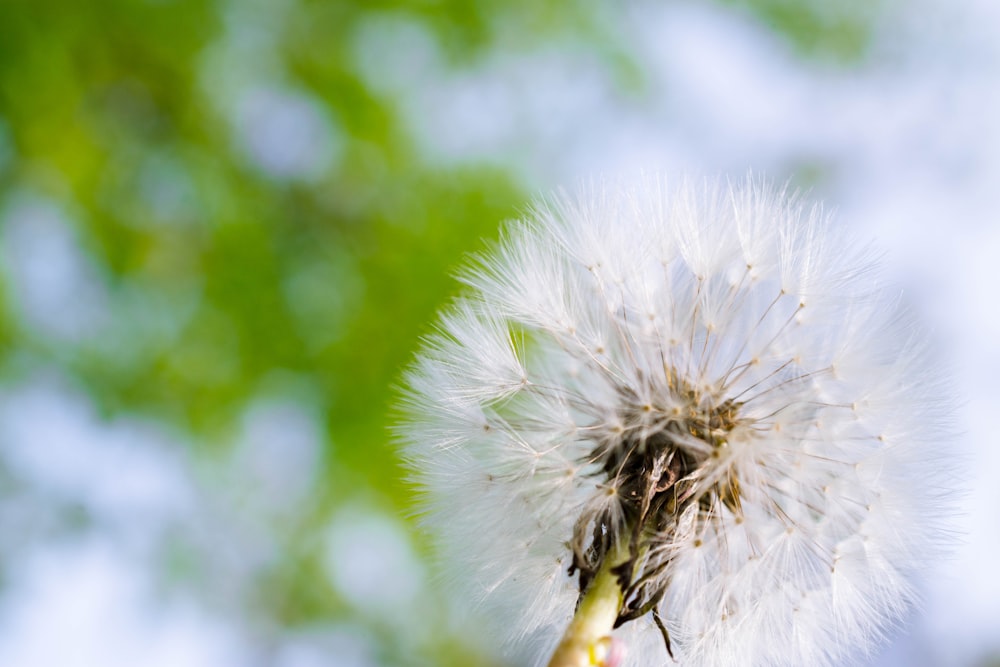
{"x":841,"y":30}
{"x":226,"y":277}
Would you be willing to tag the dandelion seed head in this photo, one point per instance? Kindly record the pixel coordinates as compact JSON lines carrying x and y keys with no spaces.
{"x":711,"y":374}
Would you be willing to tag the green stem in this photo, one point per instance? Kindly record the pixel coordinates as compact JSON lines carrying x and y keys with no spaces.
{"x":588,"y":634}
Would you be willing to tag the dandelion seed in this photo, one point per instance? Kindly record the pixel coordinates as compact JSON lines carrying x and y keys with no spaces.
{"x":686,"y":415}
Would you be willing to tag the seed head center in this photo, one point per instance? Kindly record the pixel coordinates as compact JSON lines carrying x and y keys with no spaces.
{"x":667,"y":455}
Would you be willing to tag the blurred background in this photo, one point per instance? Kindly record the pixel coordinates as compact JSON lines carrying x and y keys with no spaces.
{"x":225,"y":224}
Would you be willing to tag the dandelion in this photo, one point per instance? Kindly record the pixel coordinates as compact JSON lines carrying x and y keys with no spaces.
{"x":683,"y":420}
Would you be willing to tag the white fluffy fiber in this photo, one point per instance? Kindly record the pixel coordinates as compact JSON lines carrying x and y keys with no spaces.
{"x":748,"y":294}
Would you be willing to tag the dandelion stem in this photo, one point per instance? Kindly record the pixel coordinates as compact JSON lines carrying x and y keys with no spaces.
{"x":587,"y":640}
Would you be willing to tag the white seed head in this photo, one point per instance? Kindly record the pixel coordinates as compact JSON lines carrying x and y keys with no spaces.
{"x":709,"y":374}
